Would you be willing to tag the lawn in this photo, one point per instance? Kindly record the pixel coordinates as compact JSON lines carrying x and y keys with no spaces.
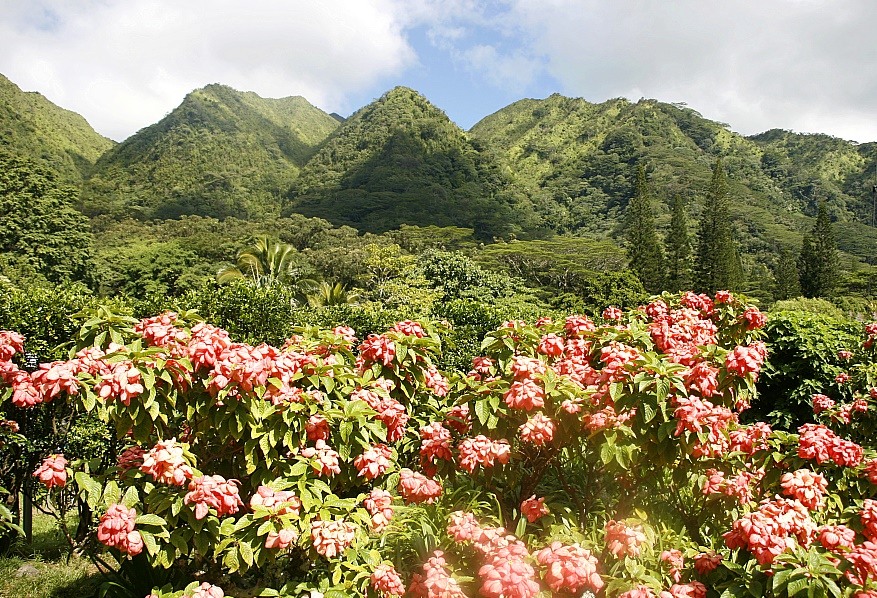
{"x":52,"y":573}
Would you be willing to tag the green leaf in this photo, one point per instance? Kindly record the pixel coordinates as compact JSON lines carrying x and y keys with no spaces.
{"x":482,"y":411}
{"x":150,"y":519}
{"x":246,"y":553}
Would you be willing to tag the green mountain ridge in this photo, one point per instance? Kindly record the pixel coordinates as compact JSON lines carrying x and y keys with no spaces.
{"x":33,"y":127}
{"x":220,"y":153}
{"x":400,"y":160}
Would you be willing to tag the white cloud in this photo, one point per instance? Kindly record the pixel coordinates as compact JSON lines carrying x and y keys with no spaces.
{"x":799,"y":64}
{"x":125,"y":63}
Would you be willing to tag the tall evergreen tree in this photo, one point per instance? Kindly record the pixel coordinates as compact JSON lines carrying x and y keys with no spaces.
{"x":717,"y":263}
{"x":785,"y":276}
{"x":818,"y":262}
{"x":677,"y":246}
{"x":643,"y":249}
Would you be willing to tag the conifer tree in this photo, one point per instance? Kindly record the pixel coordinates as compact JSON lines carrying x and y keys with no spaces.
{"x":717,"y":263}
{"x":818,"y":262}
{"x":643,"y":249}
{"x":785,"y":276}
{"x":678,"y":249}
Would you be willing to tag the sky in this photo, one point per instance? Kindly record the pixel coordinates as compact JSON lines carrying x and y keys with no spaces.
{"x":801,"y":65}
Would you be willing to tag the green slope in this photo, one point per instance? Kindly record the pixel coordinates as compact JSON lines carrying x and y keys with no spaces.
{"x":33,"y":127}
{"x":400,"y":160}
{"x":578,"y":159}
{"x":220,"y":153}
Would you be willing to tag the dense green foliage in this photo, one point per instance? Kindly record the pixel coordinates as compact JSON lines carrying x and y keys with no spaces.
{"x":41,"y":233}
{"x":677,"y":247}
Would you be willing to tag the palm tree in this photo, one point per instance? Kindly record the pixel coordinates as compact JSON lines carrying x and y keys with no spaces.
{"x":324,"y":293}
{"x":266,"y":262}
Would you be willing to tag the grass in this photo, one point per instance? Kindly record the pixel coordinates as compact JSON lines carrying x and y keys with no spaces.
{"x":58,"y":577}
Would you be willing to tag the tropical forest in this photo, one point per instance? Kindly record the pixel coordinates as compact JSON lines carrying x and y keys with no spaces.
{"x":582,"y":349}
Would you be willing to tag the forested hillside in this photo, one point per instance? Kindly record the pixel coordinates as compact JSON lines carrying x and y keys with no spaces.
{"x":400,"y":160}
{"x":34,"y":127}
{"x":220,"y":153}
{"x":543,"y":185}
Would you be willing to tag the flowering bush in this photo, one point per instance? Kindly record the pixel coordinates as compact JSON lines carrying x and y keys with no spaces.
{"x":573,"y":457}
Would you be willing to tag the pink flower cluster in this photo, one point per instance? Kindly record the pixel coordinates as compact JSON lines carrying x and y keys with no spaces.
{"x":116,"y":529}
{"x":53,"y":471}
{"x":740,"y":486}
{"x":435,"y":581}
{"x":481,"y":450}
{"x":417,"y":488}
{"x":435,"y":443}
{"x":746,"y":359}
{"x":817,"y":442}
{"x":772,"y":529}
{"x":279,"y":502}
{"x":534,"y":508}
{"x":569,"y":568}
{"x":122,"y":382}
{"x":213,"y":492}
{"x":623,"y":540}
{"x":390,"y":411}
{"x":538,"y":430}
{"x":374,"y":461}
{"x":806,"y":486}
{"x":678,"y":333}
{"x":280,"y":540}
{"x":386,"y":581}
{"x":834,"y":537}
{"x":379,"y":504}
{"x":821,"y":403}
{"x":206,"y":590}
{"x":165,"y":462}
{"x":378,"y":349}
{"x":331,"y":538}
{"x":324,"y":459}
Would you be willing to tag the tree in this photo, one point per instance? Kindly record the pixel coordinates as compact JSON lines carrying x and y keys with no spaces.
{"x":785,"y":274}
{"x":717,"y":265}
{"x":643,"y":249}
{"x":265,"y":263}
{"x":678,"y":249}
{"x":39,"y":227}
{"x":818,"y":262}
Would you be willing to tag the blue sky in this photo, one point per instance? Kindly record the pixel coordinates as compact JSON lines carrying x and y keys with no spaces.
{"x":804,"y":65}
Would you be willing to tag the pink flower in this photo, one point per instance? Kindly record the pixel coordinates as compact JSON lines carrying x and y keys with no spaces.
{"x":694,"y":589}
{"x":206,"y":590}
{"x":570,"y":568}
{"x":410,"y":328}
{"x":842,"y":378}
{"x":379,"y":504}
{"x":280,"y":540}
{"x":331,"y":538}
{"x":53,"y":471}
{"x":378,"y":349}
{"x":525,"y":394}
{"x":806,"y":486}
{"x":121,"y":382}
{"x":165,"y":462}
{"x":576,"y":325}
{"x":386,"y":581}
{"x":436,"y":382}
{"x":746,"y":359}
{"x":216,"y":492}
{"x":821,"y":403}
{"x":279,"y":502}
{"x":623,"y":540}
{"x":832,"y":537}
{"x":323,"y":458}
{"x":673,"y":558}
{"x":435,"y":582}
{"x":551,"y":345}
{"x":459,"y":419}
{"x":317,"y":428}
{"x":131,"y":458}
{"x":706,"y":562}
{"x":345,"y":332}
{"x":640,"y":591}
{"x":482,"y":451}
{"x":842,"y":354}
{"x":463,"y":526}
{"x":534,"y":508}
{"x":511,"y":578}
{"x":116,"y":529}
{"x":612,"y":313}
{"x":538,"y":429}
{"x":10,"y":344}
{"x":754,"y":318}
{"x":417,"y":488}
{"x":373,"y":462}
{"x":869,"y":518}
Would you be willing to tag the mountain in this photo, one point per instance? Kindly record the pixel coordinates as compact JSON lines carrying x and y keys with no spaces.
{"x":220,"y":153}
{"x":577,"y":159}
{"x":400,"y":160}
{"x":33,"y":127}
